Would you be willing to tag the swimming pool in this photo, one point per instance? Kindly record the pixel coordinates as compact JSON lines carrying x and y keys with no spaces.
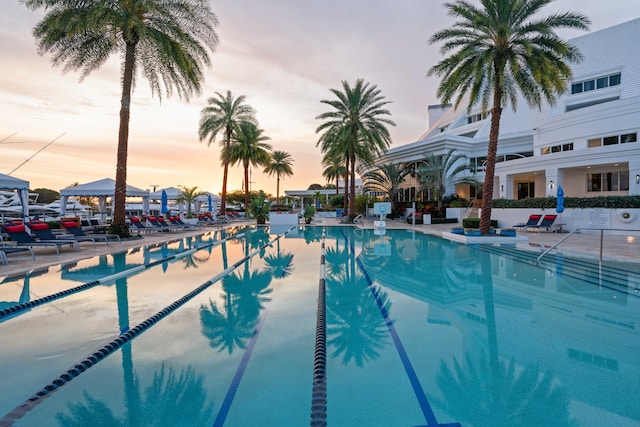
{"x":221,"y":329}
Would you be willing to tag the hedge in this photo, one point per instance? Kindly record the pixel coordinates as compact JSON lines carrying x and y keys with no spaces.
{"x":475,"y":223}
{"x":610,"y":202}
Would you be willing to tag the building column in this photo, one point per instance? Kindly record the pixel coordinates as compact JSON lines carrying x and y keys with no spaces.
{"x":634,"y":177}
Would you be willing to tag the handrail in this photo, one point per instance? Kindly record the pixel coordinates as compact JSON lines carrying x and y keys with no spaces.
{"x":558,"y":243}
{"x":576,"y":231}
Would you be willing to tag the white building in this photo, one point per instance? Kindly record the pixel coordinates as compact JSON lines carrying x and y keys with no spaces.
{"x":587,"y":142}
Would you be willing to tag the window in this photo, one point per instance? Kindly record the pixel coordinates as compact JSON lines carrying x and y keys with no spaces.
{"x":557,"y":148}
{"x":613,"y":140}
{"x":594,"y":143}
{"x":614,"y":80}
{"x":608,"y":181}
{"x":588,"y":85}
{"x":526,"y":190}
{"x":601,"y":82}
{"x":476,"y":117}
{"x":630,"y":137}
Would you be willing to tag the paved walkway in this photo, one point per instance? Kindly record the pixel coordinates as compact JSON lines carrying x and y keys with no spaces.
{"x":622,"y":248}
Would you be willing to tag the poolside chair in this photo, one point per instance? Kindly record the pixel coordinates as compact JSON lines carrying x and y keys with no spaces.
{"x":533,"y":221}
{"x":43,"y":233}
{"x":4,"y":250}
{"x":547,"y":222}
{"x":140,"y":227}
{"x":18,"y":234}
{"x":72,"y":228}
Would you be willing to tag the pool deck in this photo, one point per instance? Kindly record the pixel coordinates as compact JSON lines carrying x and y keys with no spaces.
{"x":622,"y":248}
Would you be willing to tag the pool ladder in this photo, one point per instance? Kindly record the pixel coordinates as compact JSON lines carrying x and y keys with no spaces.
{"x":555,"y":245}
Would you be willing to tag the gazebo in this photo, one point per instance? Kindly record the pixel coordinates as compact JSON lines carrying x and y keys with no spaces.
{"x":101,"y":189}
{"x":22,"y":187}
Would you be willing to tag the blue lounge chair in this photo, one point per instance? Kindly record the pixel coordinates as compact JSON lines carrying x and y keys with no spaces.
{"x":140,"y":227}
{"x":72,"y":228}
{"x":547,"y":222}
{"x":43,"y":233}
{"x":532,"y":222}
{"x":18,"y":233}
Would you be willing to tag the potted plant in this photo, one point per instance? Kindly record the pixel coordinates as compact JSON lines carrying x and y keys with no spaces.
{"x":309,"y":212}
{"x":259,"y":208}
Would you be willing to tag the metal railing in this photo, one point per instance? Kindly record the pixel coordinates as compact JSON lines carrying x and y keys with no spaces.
{"x":577,"y":230}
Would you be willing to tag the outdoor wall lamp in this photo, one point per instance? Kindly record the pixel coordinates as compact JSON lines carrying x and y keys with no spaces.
{"x":637,"y":179}
{"x":551,"y":184}
{"x":502,"y":188}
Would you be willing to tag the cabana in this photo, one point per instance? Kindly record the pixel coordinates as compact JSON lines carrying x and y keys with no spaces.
{"x":101,"y":189}
{"x":22,"y":187}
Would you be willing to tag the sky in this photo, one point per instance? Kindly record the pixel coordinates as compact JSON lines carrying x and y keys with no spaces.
{"x":283,"y":55}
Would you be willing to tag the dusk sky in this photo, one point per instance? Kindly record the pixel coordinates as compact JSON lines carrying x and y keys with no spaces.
{"x":283,"y":55}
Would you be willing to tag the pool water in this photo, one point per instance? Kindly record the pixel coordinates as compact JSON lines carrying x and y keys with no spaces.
{"x":420,"y":331}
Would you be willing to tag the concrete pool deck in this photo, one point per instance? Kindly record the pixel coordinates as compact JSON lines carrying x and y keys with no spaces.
{"x":616,"y":247}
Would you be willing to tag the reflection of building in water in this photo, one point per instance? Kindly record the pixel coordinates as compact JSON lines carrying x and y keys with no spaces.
{"x":580,"y":327}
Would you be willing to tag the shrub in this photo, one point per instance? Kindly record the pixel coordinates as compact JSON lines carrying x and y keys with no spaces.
{"x":610,"y":202}
{"x":475,"y":223}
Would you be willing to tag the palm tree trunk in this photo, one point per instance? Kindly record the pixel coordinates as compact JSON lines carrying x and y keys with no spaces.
{"x":225,"y":175}
{"x":345,"y":203}
{"x":489,"y":173}
{"x":118,"y":225}
{"x":246,"y":186}
{"x":352,"y":193}
{"x":278,"y":188}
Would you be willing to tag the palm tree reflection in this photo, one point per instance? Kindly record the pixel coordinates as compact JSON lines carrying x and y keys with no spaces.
{"x":503,"y":396}
{"x":355,"y":328}
{"x":170,"y":399}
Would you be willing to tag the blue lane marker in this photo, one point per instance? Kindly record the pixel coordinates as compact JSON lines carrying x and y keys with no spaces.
{"x":429,"y":416}
{"x":235,"y":383}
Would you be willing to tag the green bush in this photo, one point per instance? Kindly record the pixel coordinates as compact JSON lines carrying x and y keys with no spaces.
{"x":443,"y":220}
{"x":475,"y":223}
{"x":609,"y":202}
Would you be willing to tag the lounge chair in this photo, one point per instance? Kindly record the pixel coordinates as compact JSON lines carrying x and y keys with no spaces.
{"x":140,"y":227}
{"x":4,"y":250}
{"x":18,"y":234}
{"x":533,"y":221}
{"x":547,"y":222}
{"x":43,"y":233}
{"x":72,"y":228}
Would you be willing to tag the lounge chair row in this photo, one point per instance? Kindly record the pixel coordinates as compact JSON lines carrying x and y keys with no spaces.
{"x":534,"y":223}
{"x":158,"y":224}
{"x":26,"y":236}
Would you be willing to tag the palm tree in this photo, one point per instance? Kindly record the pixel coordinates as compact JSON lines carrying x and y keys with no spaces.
{"x":247,"y":148}
{"x":439,"y":172}
{"x":499,"y":50}
{"x":356,"y":124}
{"x":222,"y":115}
{"x":280,"y":164}
{"x":387,"y":179}
{"x":188,"y":196}
{"x":166,"y":40}
{"x":334,"y":168}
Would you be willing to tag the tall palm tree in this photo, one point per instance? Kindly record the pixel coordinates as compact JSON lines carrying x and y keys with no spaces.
{"x":222,"y":114}
{"x":188,"y":195}
{"x":280,"y":164}
{"x":498,"y":50}
{"x":357,"y":123}
{"x":439,"y":172}
{"x":166,"y":40}
{"x":387,"y":179}
{"x":334,"y":168}
{"x":247,"y":147}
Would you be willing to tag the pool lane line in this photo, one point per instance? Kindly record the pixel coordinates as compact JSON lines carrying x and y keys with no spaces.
{"x":319,"y":389}
{"x":235,"y":382}
{"x":108,"y":349}
{"x":19,"y":308}
{"x":423,"y":401}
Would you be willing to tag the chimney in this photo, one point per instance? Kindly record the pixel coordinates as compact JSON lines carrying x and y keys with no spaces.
{"x":435,"y":112}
